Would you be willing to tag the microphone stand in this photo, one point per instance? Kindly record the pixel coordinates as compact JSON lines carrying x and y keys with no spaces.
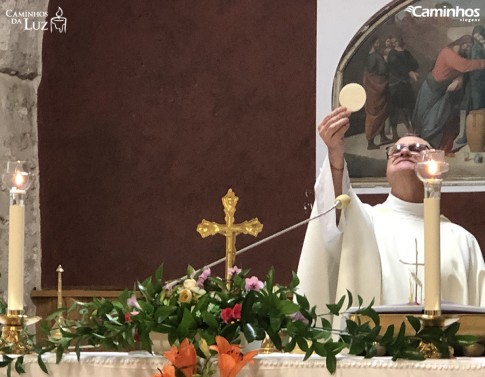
{"x":340,"y":202}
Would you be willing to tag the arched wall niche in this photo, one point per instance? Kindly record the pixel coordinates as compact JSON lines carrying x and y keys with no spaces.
{"x":463,"y":199}
{"x":422,"y":29}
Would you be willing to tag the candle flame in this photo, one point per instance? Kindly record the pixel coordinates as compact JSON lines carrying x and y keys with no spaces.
{"x":432,"y":167}
{"x":19,"y":179}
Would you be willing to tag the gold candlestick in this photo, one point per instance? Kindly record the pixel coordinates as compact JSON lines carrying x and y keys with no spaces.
{"x":14,"y":332}
{"x":59,"y":271}
{"x":15,"y":338}
{"x":56,"y":329}
{"x":431,"y":170}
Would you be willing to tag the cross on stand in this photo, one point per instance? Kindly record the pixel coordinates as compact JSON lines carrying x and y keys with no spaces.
{"x":413,"y":298}
{"x":229,"y":229}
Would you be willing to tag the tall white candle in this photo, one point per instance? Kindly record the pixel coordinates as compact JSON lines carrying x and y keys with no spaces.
{"x":16,"y":257}
{"x":432,"y":260}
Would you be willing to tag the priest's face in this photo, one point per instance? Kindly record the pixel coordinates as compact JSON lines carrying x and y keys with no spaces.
{"x":402,"y":157}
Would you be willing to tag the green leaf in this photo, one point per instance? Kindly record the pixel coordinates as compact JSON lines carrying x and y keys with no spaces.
{"x":451,"y":330}
{"x":331,"y":363}
{"x":388,"y":336}
{"x":467,"y":340}
{"x":146,"y":307}
{"x":430,"y":333}
{"x":415,"y":323}
{"x":326,"y":325}
{"x":247,"y":305}
{"x":288,"y":307}
{"x":275,"y":323}
{"x":188,"y":323}
{"x":159,"y":277}
{"x":113,"y":320}
{"x":319,"y":349}
{"x":105,"y":308}
{"x":55,"y":314}
{"x":163,"y":312}
{"x":412,"y":354}
{"x":295,"y":281}
{"x":371,"y":313}
{"x":400,"y":334}
{"x":44,"y":327}
{"x":59,"y":354}
{"x":78,"y":350}
{"x":190,"y":270}
{"x":249,"y":332}
{"x":373,"y":334}
{"x":302,"y":301}
{"x":357,"y":346}
{"x":371,"y":351}
{"x":6,"y":362}
{"x":352,"y":327}
{"x":290,"y":346}
{"x":230,"y":331}
{"x":41,"y":363}
{"x":270,"y":280}
{"x":302,"y":343}
{"x":351,"y":299}
{"x":210,"y":320}
{"x":335,"y":308}
{"x":443,"y":349}
{"x":335,"y":347}
{"x":19,"y":367}
{"x":217,"y":282}
{"x":308,"y":353}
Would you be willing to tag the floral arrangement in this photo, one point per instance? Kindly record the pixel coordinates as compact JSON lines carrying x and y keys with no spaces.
{"x":205,"y":316}
{"x":199,"y":307}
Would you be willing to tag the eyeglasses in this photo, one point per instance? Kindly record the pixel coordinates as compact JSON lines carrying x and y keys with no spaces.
{"x":415,"y":148}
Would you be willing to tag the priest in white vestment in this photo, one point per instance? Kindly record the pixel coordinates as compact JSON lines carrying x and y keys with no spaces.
{"x":372,"y":250}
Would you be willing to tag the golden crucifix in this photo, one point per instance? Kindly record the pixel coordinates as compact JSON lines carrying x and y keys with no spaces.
{"x":229,"y":229}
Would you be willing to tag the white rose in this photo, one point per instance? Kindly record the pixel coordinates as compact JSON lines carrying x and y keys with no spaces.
{"x":192,"y":285}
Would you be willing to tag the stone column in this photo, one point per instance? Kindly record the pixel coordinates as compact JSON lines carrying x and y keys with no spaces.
{"x":20,"y":74}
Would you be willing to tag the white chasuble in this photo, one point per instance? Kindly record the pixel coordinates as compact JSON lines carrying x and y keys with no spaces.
{"x":372,"y":253}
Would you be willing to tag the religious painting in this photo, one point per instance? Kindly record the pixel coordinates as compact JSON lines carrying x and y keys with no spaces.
{"x":423,"y":69}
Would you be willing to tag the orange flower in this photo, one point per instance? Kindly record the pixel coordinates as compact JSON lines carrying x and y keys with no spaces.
{"x":231,"y":360}
{"x":168,"y":370}
{"x":183,"y":358}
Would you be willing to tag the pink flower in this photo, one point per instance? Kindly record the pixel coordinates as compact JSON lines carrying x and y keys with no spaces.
{"x":234,"y":271}
{"x":168,"y":288}
{"x":253,"y":284}
{"x":203,"y":277}
{"x":129,"y":315}
{"x":299,"y":317}
{"x":133,"y":302}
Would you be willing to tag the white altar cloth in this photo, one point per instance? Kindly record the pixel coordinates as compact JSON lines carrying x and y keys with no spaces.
{"x":108,"y":364}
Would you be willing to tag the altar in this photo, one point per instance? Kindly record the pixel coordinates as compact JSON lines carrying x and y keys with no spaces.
{"x":143,"y":364}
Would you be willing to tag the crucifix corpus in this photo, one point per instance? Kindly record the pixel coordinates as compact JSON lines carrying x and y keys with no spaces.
{"x":229,"y":229}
